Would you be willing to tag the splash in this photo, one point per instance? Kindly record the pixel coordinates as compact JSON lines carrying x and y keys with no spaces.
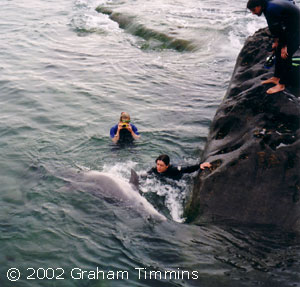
{"x":172,"y":192}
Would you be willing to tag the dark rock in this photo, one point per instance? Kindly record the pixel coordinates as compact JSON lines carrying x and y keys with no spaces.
{"x":254,"y":145}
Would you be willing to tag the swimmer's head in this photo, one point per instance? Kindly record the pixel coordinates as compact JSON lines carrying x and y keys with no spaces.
{"x":125,"y":117}
{"x":162,"y":163}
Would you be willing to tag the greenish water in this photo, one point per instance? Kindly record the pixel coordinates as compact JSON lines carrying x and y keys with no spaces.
{"x":66,"y":74}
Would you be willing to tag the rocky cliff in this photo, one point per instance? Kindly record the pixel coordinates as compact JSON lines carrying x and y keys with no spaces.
{"x":254,"y":145}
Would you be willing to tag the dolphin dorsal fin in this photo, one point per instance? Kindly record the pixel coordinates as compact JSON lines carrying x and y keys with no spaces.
{"x":134,"y":179}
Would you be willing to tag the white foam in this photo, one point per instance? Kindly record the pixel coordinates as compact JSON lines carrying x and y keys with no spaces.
{"x":174,"y":195}
{"x":235,"y":41}
{"x":87,"y":18}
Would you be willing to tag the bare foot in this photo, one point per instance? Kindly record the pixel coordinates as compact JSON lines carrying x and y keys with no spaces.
{"x":276,"y":89}
{"x":273,"y":80}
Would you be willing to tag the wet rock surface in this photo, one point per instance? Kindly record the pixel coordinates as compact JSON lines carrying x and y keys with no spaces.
{"x":254,"y":145}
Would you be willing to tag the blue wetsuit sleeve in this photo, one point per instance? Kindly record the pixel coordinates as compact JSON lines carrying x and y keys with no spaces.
{"x":113,"y":131}
{"x":135,"y":130}
{"x":273,"y":17}
{"x":283,"y":21}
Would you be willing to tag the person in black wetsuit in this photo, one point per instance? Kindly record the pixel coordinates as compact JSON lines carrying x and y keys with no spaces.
{"x":165,"y":169}
{"x":283,"y":18}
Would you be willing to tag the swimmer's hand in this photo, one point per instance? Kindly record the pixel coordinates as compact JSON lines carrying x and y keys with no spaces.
{"x":205,"y":165}
{"x":284,"y":53}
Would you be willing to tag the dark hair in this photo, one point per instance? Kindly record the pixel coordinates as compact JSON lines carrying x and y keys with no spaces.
{"x":165,"y":158}
{"x":254,"y":3}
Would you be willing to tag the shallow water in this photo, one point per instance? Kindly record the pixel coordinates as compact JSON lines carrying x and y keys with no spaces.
{"x":66,"y":73}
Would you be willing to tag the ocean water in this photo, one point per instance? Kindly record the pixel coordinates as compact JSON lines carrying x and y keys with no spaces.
{"x":66,"y":74}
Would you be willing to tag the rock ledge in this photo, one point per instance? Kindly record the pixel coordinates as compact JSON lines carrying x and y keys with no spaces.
{"x":254,"y":144}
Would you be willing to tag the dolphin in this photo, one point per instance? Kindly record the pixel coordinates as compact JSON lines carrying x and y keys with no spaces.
{"x":114,"y":189}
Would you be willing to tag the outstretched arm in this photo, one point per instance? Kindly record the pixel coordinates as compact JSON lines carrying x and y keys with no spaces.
{"x":192,"y":168}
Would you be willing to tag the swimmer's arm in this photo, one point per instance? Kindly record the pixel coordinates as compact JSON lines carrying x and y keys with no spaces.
{"x":117,"y":135}
{"x":134,"y":135}
{"x":193,"y":168}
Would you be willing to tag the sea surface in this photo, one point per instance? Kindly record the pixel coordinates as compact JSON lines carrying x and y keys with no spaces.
{"x":66,"y":74}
